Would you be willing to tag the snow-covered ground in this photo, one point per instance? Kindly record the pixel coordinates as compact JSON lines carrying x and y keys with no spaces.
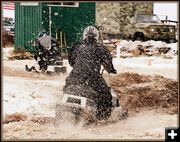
{"x":149,"y":65}
{"x":151,"y":43}
{"x":36,"y":95}
{"x":148,"y":43}
{"x":6,"y":52}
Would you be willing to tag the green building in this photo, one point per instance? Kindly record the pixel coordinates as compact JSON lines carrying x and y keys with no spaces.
{"x":67,"y":20}
{"x":63,"y":20}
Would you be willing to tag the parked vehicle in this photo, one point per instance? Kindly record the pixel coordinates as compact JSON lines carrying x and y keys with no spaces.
{"x":9,"y":27}
{"x":149,"y":27}
{"x":7,"y":33}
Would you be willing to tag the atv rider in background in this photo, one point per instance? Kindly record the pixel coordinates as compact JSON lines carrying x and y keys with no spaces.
{"x":85,"y":59}
{"x":47,"y":51}
{"x":47,"y":48}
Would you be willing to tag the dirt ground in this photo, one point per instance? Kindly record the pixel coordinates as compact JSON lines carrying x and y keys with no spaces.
{"x":29,"y":101}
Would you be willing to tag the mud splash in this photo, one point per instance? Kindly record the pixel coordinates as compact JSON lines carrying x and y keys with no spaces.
{"x":139,"y":91}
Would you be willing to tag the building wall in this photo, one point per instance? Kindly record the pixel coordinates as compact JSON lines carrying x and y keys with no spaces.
{"x":71,"y":20}
{"x":27,"y":25}
{"x":30,"y":20}
{"x":114,"y":15}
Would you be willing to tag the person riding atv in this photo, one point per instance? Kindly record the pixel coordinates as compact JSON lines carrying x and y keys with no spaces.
{"x":47,"y":53}
{"x":47,"y":50}
{"x":85,"y":79}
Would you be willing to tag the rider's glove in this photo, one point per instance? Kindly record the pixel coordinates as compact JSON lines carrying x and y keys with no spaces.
{"x":114,"y":71}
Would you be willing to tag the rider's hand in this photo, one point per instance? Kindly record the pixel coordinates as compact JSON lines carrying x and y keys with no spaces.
{"x":114,"y":71}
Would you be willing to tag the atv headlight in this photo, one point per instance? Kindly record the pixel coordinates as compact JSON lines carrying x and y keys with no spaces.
{"x":171,"y":30}
{"x":152,"y":29}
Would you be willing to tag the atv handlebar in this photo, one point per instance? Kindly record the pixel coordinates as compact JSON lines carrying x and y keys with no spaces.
{"x":113,"y":71}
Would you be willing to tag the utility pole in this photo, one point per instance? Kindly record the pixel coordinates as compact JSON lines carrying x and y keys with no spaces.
{"x":133,"y":9}
{"x":50,"y":22}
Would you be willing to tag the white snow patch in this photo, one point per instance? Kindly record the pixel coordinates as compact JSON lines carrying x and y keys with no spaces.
{"x":6,"y":52}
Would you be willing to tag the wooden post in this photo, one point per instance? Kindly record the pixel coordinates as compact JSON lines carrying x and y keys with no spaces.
{"x":56,"y":36}
{"x":65,"y":44}
{"x":61,"y":39}
{"x":50,"y":22}
{"x":166,"y":18}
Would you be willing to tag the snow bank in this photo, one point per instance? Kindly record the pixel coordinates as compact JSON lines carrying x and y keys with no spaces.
{"x":156,"y":44}
{"x":6,"y":52}
{"x":148,"y":48}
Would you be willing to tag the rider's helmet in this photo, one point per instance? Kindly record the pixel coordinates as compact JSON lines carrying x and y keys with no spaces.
{"x":42,"y":33}
{"x":91,"y":32}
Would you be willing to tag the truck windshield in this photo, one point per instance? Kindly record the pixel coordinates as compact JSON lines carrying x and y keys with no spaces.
{"x":147,"y":19}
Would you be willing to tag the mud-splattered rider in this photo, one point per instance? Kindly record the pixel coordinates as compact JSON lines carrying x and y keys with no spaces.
{"x":86,"y":59}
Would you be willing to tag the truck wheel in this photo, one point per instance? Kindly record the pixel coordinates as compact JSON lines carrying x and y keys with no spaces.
{"x":123,"y":37}
{"x":171,"y":40}
{"x":139,"y":37}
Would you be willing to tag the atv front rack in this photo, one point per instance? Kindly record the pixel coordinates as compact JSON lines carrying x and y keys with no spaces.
{"x":73,"y":108}
{"x":82,"y":101}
